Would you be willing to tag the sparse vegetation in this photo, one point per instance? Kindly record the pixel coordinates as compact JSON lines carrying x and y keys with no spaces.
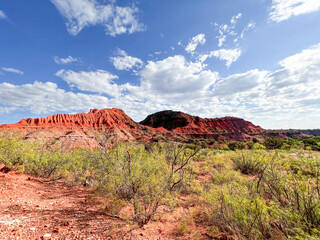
{"x":252,"y":193}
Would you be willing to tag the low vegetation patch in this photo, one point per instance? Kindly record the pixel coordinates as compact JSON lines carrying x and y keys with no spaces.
{"x":255,"y":190}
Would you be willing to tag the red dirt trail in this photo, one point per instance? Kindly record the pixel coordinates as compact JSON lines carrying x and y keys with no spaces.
{"x":33,"y":208}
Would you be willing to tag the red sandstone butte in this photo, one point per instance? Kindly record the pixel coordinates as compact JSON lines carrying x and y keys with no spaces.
{"x":95,"y":119}
{"x":119,"y":126}
{"x":114,"y":121}
{"x":195,"y":127}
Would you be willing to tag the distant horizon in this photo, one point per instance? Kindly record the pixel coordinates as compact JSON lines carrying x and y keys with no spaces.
{"x":255,"y":60}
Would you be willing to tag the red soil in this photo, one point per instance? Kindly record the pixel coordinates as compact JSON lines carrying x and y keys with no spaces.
{"x":34,"y":208}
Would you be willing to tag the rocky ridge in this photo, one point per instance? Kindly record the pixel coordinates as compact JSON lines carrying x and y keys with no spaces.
{"x":81,"y":128}
{"x":189,"y":126}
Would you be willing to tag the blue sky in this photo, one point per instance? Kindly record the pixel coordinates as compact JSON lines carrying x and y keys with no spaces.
{"x":258,"y":60}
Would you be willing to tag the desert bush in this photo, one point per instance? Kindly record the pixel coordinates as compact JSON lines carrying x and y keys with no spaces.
{"x":304,"y":164}
{"x":42,"y":159}
{"x":183,"y":225}
{"x":225,"y":176}
{"x":129,"y":172}
{"x":258,"y":146}
{"x":249,"y":162}
{"x":297,"y":202}
{"x":250,"y":144}
{"x":273,"y":142}
{"x":236,"y":145}
{"x":238,"y":210}
{"x":12,"y":147}
{"x":292,"y":144}
{"x":313,"y":143}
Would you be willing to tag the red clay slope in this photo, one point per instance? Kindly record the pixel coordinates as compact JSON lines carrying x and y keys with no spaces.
{"x":169,"y":124}
{"x":196,"y":127}
{"x":114,"y":121}
{"x":95,"y":119}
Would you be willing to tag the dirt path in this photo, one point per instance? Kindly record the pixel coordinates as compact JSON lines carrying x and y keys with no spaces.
{"x":33,"y":208}
{"x":37,"y":209}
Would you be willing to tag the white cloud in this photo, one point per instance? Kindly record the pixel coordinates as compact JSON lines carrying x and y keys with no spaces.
{"x":249,"y":26}
{"x":98,"y":81}
{"x":226,"y":31}
{"x":84,"y":13}
{"x":66,"y":60}
{"x":239,"y":83}
{"x":235,"y":18}
{"x":228,"y":55}
{"x":2,"y":15}
{"x":175,"y":75}
{"x":300,"y":69}
{"x":124,"y":62}
{"x":303,"y":60}
{"x":47,"y":97}
{"x":284,"y":98}
{"x":200,"y":39}
{"x":284,"y":9}
{"x":12,"y":70}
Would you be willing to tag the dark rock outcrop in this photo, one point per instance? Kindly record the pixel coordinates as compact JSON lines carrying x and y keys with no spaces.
{"x":195,"y":127}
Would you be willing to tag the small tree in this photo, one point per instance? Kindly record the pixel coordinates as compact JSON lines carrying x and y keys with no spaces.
{"x":143,"y":177}
{"x":236,"y":145}
{"x":273,"y":142}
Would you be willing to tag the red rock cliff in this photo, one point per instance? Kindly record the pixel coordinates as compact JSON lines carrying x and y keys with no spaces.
{"x":169,"y":124}
{"x":114,"y":121}
{"x":192,"y":126}
{"x":95,"y":119}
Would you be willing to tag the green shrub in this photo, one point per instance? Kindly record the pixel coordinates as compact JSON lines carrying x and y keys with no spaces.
{"x":297,"y":202}
{"x":130,"y":173}
{"x":249,"y":162}
{"x":273,"y":142}
{"x":236,"y":145}
{"x":238,"y":210}
{"x":313,"y":143}
{"x":258,"y":146}
{"x":12,"y":148}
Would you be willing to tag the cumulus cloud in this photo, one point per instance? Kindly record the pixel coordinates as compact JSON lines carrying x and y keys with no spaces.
{"x":84,"y":13}
{"x":239,"y":83}
{"x":96,"y":81}
{"x":228,"y":55}
{"x":2,"y":15}
{"x":299,"y":70}
{"x":66,"y":60}
{"x":124,"y":62}
{"x":12,"y":70}
{"x":284,"y":9}
{"x":176,"y":75}
{"x":200,"y":39}
{"x":46,"y":97}
{"x":287,"y":97}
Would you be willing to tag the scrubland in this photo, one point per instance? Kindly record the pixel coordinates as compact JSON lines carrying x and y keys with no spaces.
{"x":258,"y":190}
